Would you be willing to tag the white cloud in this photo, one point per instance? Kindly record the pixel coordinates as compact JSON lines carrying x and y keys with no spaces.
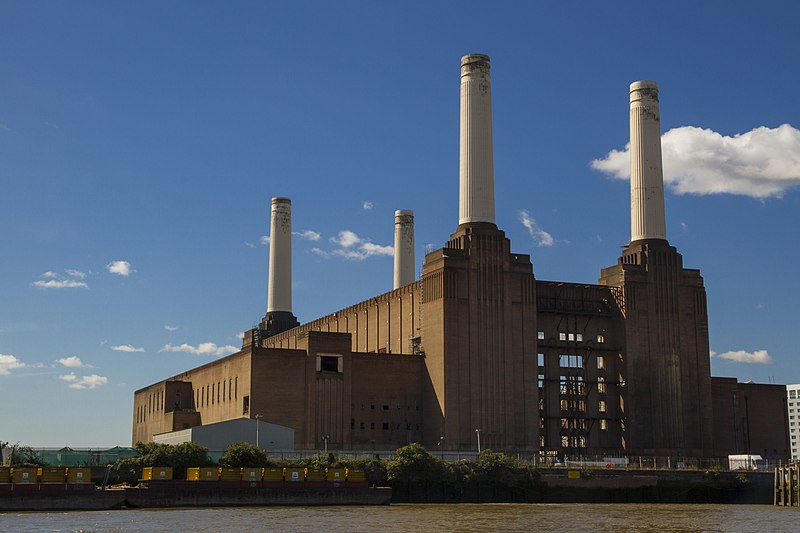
{"x":170,"y":328}
{"x":264,"y":240}
{"x":49,"y":274}
{"x":120,"y":268}
{"x":9,"y":363}
{"x":346,"y":239}
{"x":240,"y":335}
{"x":367,"y":205}
{"x":741,"y":356}
{"x":204,"y":348}
{"x":68,"y":377}
{"x":71,"y":362}
{"x":540,"y":236}
{"x":75,"y":273}
{"x":60,"y":284}
{"x":249,"y":244}
{"x":308,"y":234}
{"x":89,"y":382}
{"x":320,"y":252}
{"x":126,"y":348}
{"x":760,"y":163}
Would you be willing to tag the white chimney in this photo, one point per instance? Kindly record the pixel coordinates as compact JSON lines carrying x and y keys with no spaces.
{"x":647,"y":179}
{"x":476,"y":168}
{"x":279,"y":296}
{"x":403,"y":248}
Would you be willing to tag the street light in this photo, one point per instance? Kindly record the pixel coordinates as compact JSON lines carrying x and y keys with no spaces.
{"x":325,"y":438}
{"x":478,"y":433}
{"x":441,"y":448}
{"x":257,"y":441}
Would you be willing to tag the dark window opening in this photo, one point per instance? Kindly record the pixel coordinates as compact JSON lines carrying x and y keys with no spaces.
{"x":386,"y":425}
{"x":328,"y":363}
{"x":245,"y":404}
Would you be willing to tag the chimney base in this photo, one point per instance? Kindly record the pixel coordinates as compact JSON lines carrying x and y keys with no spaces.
{"x":277,"y":322}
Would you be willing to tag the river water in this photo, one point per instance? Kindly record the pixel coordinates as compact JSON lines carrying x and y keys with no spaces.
{"x":483,"y":518}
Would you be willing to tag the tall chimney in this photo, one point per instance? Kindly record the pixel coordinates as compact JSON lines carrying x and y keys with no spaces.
{"x":647,"y":178}
{"x":476,"y":167}
{"x":279,"y":315}
{"x":403,"y":248}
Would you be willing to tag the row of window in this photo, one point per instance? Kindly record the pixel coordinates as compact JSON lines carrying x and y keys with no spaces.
{"x":219,"y":392}
{"x":385,"y":425}
{"x":571,"y":337}
{"x":573,"y":361}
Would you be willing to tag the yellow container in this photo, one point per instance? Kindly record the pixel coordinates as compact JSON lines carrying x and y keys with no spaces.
{"x":53,"y":474}
{"x":5,"y":474}
{"x":24,"y":474}
{"x":335,"y":475}
{"x":79,"y":475}
{"x":153,"y":473}
{"x":315,"y":475}
{"x":293,"y":475}
{"x":356,"y":475}
{"x":231,"y":474}
{"x":254,"y":474}
{"x":203,"y":473}
{"x":573,"y":474}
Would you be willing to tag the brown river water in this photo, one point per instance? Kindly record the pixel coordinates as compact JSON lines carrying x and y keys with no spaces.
{"x":481,"y":518}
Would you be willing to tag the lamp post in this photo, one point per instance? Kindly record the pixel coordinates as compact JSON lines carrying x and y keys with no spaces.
{"x":325,"y":438}
{"x":441,"y":448}
{"x":478,"y":433}
{"x":257,"y":417}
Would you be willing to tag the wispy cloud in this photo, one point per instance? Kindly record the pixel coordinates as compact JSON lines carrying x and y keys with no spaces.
{"x":126,"y":348}
{"x":120,"y":268}
{"x":760,"y":163}
{"x":308,"y":234}
{"x":367,"y":205}
{"x":249,"y":244}
{"x":75,"y":273}
{"x":540,"y":236}
{"x":204,"y":348}
{"x":9,"y":363}
{"x":91,"y":381}
{"x":351,"y":246}
{"x":170,"y":328}
{"x":69,"y":377}
{"x":742,"y":356}
{"x":53,"y":280}
{"x":264,"y":240}
{"x":72,"y":361}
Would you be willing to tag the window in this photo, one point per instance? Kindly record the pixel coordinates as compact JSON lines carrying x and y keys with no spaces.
{"x":217,"y":391}
{"x":571,"y":337}
{"x":230,"y":389}
{"x":541,"y":381}
{"x":579,"y":337}
{"x":793,"y":394}
{"x":601,"y":384}
{"x":385,"y":407}
{"x":571,"y":361}
{"x":245,"y":405}
{"x":562,"y":336}
{"x":236,"y":390}
{"x":601,"y":339}
{"x":329,"y":364}
{"x":212,"y":394}
{"x":601,"y":362}
{"x":541,"y":335}
{"x":223,"y":390}
{"x":541,"y":359}
{"x":603,"y":424}
{"x":601,"y":406}
{"x":361,"y":425}
{"x":372,"y":406}
{"x":372,"y":425}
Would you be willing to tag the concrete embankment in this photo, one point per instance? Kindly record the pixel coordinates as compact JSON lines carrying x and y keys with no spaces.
{"x":561,"y":485}
{"x":184,"y":494}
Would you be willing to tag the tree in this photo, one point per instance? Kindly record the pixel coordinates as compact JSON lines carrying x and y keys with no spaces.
{"x":25,"y":456}
{"x":414,"y":464}
{"x":244,"y":455}
{"x":179,"y":458}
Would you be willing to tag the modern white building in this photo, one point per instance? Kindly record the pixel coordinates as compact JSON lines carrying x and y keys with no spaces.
{"x":793,"y":406}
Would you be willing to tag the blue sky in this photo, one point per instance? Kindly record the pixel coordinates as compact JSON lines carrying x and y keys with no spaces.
{"x":141,"y":142}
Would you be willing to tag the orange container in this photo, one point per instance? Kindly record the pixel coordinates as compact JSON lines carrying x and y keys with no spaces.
{"x":202,"y":473}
